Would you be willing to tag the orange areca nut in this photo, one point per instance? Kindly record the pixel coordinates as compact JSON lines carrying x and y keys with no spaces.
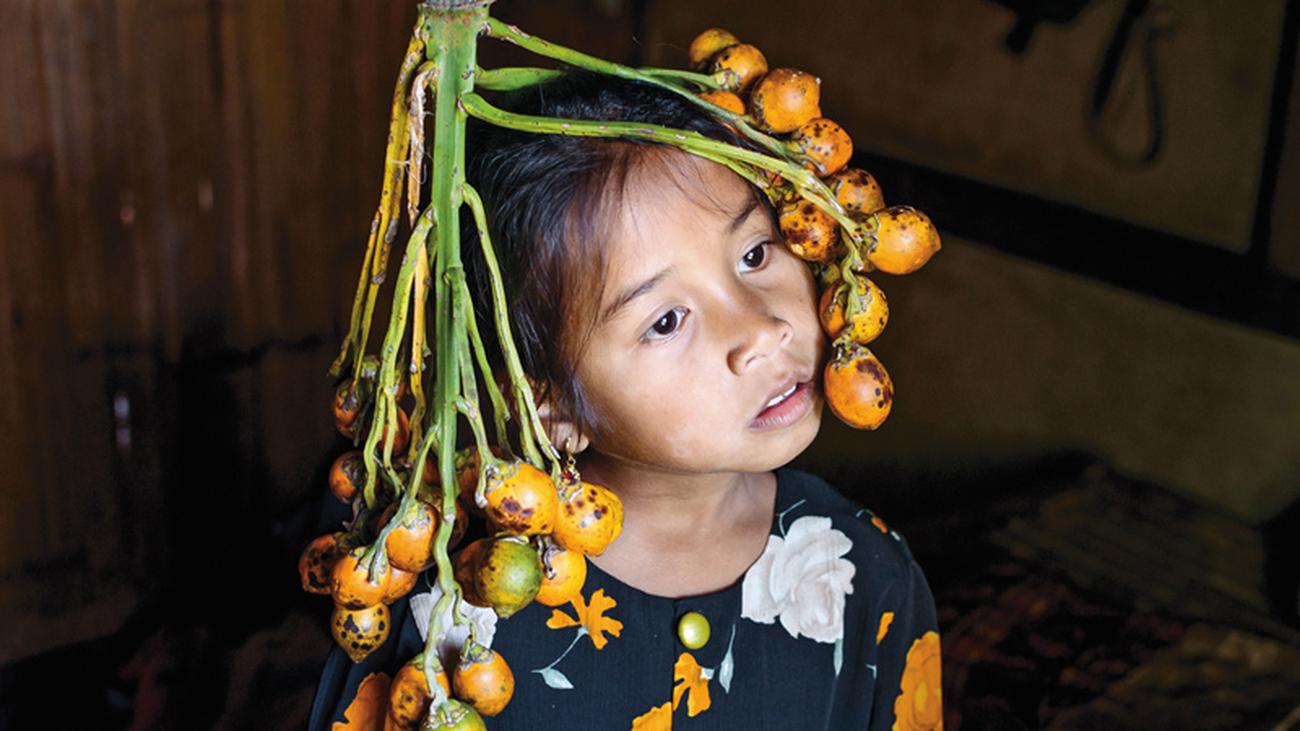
{"x":465,"y":569}
{"x":872,"y":314}
{"x":467,"y":465}
{"x":856,"y":190}
{"x":349,"y":400}
{"x":857,"y":387}
{"x":353,"y":586}
{"x":822,"y":145}
{"x":708,"y":43}
{"x":360,"y":631}
{"x":400,"y":583}
{"x":483,"y":679}
{"x":347,"y":475}
{"x":785,"y":99}
{"x":724,"y":99}
{"x":408,"y":701}
{"x":737,"y":67}
{"x":905,"y":240}
{"x":508,"y":574}
{"x":410,"y":542}
{"x":811,"y":233}
{"x":868,"y":322}
{"x":830,"y":310}
{"x":521,"y":499}
{"x":563,"y":574}
{"x":589,"y":518}
{"x":316,"y":565}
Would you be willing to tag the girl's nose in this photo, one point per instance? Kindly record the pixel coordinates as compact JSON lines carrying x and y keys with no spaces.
{"x":758,"y":334}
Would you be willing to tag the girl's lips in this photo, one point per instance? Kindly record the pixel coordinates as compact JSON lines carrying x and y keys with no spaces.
{"x":786,"y":412}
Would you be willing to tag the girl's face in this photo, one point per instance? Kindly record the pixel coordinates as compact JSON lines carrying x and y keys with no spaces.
{"x":706,"y":351}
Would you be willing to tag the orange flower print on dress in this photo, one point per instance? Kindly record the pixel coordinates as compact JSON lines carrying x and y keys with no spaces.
{"x":369,"y":707}
{"x":659,"y":718}
{"x":591,"y":616}
{"x":919,"y":707}
{"x":885,"y":620}
{"x":876,"y":521}
{"x":691,"y":678}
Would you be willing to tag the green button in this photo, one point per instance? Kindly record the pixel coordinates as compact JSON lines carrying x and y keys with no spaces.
{"x":693,"y":630}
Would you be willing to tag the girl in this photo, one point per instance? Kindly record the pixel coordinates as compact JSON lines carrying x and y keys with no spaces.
{"x":678,"y":353}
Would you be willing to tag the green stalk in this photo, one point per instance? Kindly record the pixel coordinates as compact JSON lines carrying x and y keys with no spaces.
{"x":511,"y":34}
{"x":809,"y":185}
{"x":499,"y":412}
{"x":450,"y":30}
{"x":467,"y":404}
{"x":392,"y":171}
{"x":511,"y":78}
{"x":702,"y":80}
{"x":530,"y":424}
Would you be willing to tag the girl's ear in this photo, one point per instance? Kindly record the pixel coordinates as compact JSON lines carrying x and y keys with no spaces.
{"x":563,"y":431}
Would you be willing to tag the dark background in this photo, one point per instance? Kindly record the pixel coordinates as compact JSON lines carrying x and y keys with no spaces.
{"x":185,"y":188}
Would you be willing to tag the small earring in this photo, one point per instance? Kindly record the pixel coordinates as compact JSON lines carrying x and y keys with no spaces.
{"x":570,"y":464}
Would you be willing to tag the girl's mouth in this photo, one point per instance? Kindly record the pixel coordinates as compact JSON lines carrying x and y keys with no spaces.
{"x":785,"y":408}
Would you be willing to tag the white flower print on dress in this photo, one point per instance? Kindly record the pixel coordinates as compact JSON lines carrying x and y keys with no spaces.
{"x":483,"y":619}
{"x":803,"y":580}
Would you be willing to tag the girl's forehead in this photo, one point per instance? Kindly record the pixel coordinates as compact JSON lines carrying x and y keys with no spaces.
{"x":675,"y":187}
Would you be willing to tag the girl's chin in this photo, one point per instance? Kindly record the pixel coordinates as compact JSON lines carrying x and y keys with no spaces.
{"x":784,"y":445}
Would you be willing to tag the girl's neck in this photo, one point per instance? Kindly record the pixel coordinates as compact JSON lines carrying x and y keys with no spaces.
{"x":673,"y":507}
{"x":670,"y":520}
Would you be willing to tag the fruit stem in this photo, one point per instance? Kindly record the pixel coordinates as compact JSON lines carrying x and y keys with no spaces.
{"x":499,"y":412}
{"x":383,"y":227}
{"x":511,"y":34}
{"x":532,"y":433}
{"x":705,"y":80}
{"x":510,"y":78}
{"x":848,"y":274}
{"x":419,"y":351}
{"x":467,"y":404}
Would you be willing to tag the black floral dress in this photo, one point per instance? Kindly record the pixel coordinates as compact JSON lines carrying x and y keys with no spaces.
{"x":832,"y":628}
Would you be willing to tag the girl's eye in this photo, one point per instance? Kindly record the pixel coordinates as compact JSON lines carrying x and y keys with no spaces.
{"x":754,"y":258}
{"x":667,"y":324}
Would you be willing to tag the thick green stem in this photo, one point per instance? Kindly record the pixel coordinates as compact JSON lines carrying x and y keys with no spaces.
{"x":450,"y":29}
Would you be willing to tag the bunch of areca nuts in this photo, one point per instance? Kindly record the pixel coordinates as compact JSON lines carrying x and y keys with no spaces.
{"x":786,"y":104}
{"x":539,"y":535}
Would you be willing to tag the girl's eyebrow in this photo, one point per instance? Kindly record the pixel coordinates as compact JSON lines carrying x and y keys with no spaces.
{"x":743,"y":214}
{"x":632,"y":293}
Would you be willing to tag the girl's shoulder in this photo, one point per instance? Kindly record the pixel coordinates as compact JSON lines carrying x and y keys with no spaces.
{"x":875,"y":545}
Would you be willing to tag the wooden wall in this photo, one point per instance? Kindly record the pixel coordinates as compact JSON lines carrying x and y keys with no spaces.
{"x":185,"y":188}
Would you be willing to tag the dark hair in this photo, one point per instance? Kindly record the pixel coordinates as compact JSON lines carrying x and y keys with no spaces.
{"x":550,"y":200}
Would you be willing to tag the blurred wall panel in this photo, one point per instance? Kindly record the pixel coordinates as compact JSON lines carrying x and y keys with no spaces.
{"x":931,"y":82}
{"x":1284,"y":243}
